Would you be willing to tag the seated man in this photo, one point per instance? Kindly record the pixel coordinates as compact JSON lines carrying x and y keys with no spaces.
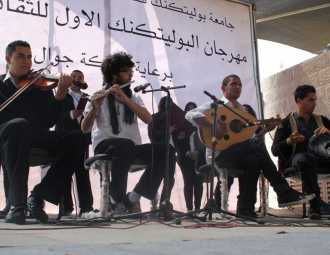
{"x":25,"y":124}
{"x":291,"y":143}
{"x":115,"y":132}
{"x":251,"y":153}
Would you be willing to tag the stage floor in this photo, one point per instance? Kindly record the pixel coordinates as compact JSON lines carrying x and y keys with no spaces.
{"x":284,"y":232}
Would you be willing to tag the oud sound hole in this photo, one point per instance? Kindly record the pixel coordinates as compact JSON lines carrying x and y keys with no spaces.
{"x":226,"y":137}
{"x":223,"y":118}
{"x":236,"y":126}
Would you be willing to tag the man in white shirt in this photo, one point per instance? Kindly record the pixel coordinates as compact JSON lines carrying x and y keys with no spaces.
{"x":252,"y":154}
{"x":115,"y":132}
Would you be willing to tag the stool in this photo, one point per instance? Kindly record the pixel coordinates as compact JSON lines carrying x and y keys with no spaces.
{"x":102,"y":163}
{"x":292,"y":174}
{"x":224,"y":169}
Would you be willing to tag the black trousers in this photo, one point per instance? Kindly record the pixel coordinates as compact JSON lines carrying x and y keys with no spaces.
{"x":253,"y":155}
{"x":193,"y":183}
{"x":67,"y":198}
{"x":123,"y":152}
{"x":307,"y":164}
{"x":17,"y":137}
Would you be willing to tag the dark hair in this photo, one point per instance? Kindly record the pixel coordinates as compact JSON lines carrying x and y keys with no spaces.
{"x":302,"y":92}
{"x":186,"y":108}
{"x":227,"y":79}
{"x":250,"y":110}
{"x":11,"y":47}
{"x":162,"y":104}
{"x":113,"y":63}
{"x":77,"y":71}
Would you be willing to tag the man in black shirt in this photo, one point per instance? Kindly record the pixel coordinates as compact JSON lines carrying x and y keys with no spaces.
{"x":25,"y":124}
{"x":291,"y":142}
{"x":70,"y":119}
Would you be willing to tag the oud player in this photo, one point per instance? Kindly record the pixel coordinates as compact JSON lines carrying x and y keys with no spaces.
{"x":291,"y":143}
{"x":252,"y":154}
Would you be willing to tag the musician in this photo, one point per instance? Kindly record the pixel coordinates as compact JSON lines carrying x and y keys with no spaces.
{"x":70,"y":119}
{"x":115,"y":132}
{"x":252,"y":154}
{"x":193,"y":183}
{"x":260,"y":132}
{"x":291,"y":143}
{"x":157,"y":134}
{"x":25,"y":124}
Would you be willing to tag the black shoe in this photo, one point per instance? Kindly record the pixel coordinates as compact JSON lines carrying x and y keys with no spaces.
{"x":314,"y":214}
{"x":66,"y":212}
{"x":290,"y":197}
{"x":247,"y":212}
{"x":16,"y":215}
{"x":36,"y":206}
{"x":324,"y":208}
{"x":5,"y":210}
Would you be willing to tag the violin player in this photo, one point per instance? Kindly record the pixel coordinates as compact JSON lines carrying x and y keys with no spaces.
{"x":25,"y":124}
{"x":70,"y":119}
{"x":291,"y":144}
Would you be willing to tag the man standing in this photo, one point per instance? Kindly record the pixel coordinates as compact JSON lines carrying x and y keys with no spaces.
{"x":25,"y":124}
{"x":291,"y":143}
{"x":115,"y":132}
{"x":70,"y":119}
{"x":251,"y":153}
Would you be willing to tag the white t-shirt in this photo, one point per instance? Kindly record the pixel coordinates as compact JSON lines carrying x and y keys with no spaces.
{"x":102,"y":125}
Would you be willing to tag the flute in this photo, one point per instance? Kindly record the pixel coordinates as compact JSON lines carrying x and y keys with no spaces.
{"x":92,"y":98}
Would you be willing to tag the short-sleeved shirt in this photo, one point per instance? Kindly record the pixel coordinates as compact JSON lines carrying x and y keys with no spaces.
{"x":102,"y":125}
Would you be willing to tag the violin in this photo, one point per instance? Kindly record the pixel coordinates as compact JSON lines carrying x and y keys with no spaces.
{"x":46,"y":82}
{"x":37,"y":82}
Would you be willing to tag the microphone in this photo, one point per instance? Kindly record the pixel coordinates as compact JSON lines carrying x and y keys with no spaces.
{"x":141,"y":87}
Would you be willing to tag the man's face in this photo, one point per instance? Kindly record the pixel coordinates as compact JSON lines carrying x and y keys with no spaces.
{"x":233,"y":89}
{"x":124,"y":76}
{"x":20,"y":62}
{"x":308,"y":104}
{"x":78,"y":76}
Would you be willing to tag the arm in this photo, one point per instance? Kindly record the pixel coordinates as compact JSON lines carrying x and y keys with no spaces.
{"x":50,"y":106}
{"x":280,"y":144}
{"x":90,"y":116}
{"x":141,"y":112}
{"x":324,"y":129}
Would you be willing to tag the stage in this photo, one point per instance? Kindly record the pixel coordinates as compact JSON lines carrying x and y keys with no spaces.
{"x":286,"y":233}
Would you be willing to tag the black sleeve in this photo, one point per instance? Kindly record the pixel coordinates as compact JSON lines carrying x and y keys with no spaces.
{"x":280,"y":146}
{"x":49,"y":109}
{"x":155,"y":132}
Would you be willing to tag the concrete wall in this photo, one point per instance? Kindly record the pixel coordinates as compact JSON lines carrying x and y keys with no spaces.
{"x":278,"y":89}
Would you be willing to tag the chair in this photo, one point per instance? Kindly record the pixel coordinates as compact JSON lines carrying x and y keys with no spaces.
{"x":292,"y":174}
{"x":222,"y":169}
{"x":102,"y":163}
{"x":38,"y":157}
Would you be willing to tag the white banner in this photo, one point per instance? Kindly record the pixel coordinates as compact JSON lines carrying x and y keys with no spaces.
{"x":186,"y":42}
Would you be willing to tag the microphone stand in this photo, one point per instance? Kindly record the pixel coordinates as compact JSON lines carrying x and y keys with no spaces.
{"x":166,"y":207}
